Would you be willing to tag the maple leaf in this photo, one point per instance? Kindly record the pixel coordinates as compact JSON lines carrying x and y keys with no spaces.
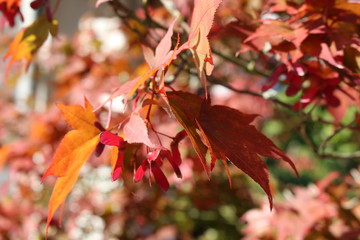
{"x":160,"y":61}
{"x":231,"y":137}
{"x":201,"y":23}
{"x":28,"y":41}
{"x":162,"y":51}
{"x":228,"y":136}
{"x":186,"y":108}
{"x":9,"y":9}
{"x":277,"y":32}
{"x":74,"y":149}
{"x":135,"y":131}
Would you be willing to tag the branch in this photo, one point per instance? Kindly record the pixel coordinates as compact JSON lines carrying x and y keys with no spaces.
{"x":214,"y":81}
{"x":238,"y":63}
{"x":149,"y":22}
{"x":125,"y":14}
{"x":317,"y":149}
{"x":322,"y":146}
{"x":343,"y":156}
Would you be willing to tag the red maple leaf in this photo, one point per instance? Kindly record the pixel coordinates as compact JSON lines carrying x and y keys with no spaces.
{"x":228,"y":135}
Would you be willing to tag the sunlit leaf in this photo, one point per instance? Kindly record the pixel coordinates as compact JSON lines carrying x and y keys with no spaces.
{"x":73,"y":151}
{"x":28,"y":41}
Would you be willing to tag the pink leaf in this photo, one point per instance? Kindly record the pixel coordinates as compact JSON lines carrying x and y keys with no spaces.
{"x":327,"y":55}
{"x":203,"y":17}
{"x":163,"y":49}
{"x":148,"y":55}
{"x":201,"y":23}
{"x":162,"y":52}
{"x":135,"y":131}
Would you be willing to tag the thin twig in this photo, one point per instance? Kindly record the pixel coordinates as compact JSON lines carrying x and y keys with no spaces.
{"x":213,"y":80}
{"x":237,"y":62}
{"x":322,"y":146}
{"x":124,"y":13}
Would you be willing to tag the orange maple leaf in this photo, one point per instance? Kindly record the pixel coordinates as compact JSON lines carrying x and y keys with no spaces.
{"x":73,"y":151}
{"x":28,"y":41}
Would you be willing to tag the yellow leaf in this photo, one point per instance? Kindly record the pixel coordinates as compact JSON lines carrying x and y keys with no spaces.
{"x":64,"y":184}
{"x":73,"y":151}
{"x":28,"y":41}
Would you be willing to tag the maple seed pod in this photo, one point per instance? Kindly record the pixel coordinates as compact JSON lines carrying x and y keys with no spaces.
{"x":111,"y":139}
{"x":37,"y":3}
{"x":99,"y":149}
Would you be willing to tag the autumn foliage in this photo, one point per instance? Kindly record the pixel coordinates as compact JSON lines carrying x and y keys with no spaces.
{"x":205,"y":81}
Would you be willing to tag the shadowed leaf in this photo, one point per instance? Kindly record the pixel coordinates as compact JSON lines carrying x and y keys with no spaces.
{"x":186,"y":108}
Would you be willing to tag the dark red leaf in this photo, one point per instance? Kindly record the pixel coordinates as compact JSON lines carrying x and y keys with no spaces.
{"x":230,"y":137}
{"x":186,"y":108}
{"x":99,"y":149}
{"x":173,"y":162}
{"x":274,"y":78}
